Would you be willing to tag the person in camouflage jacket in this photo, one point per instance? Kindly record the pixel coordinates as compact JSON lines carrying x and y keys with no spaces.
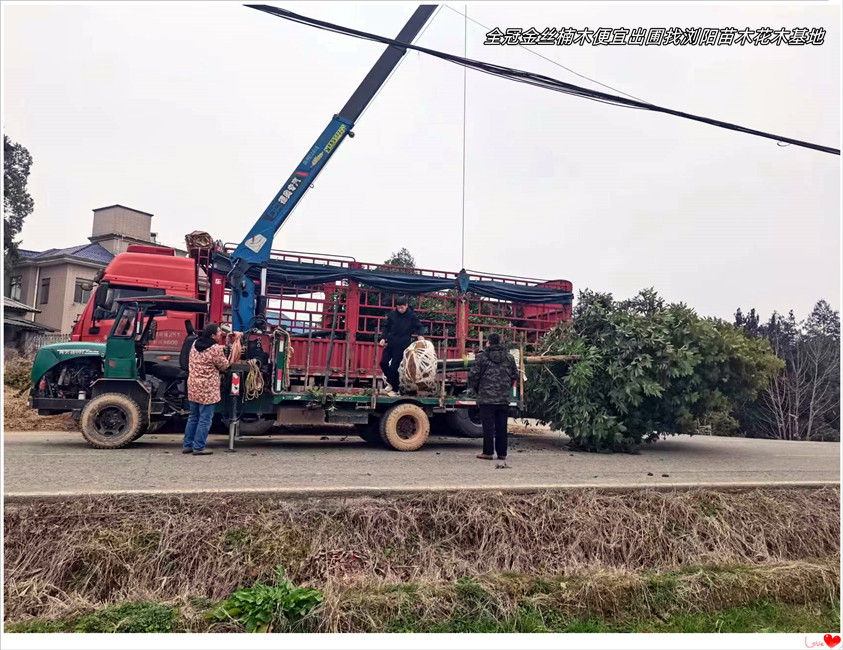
{"x":491,"y":377}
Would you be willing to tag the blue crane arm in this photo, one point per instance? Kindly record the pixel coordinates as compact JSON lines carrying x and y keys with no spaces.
{"x":255,"y":248}
{"x":249,"y":311}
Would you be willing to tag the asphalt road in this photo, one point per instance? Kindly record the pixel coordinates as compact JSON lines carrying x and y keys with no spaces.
{"x":54,"y":462}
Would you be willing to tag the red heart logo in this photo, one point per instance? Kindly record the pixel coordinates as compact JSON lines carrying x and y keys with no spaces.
{"x":831,"y":641}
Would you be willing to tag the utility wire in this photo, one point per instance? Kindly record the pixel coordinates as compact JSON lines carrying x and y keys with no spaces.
{"x":383,"y":85}
{"x":534,"y":79}
{"x":542,"y":56}
{"x":464,"y":94}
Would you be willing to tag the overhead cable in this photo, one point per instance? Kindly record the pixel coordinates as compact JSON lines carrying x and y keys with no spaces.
{"x":533,"y":79}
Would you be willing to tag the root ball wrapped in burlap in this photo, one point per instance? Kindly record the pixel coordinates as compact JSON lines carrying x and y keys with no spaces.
{"x":417,"y":371}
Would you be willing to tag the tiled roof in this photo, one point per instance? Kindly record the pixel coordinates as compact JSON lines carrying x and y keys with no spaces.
{"x":88,"y":252}
{"x":26,"y":324}
{"x":11,"y":303}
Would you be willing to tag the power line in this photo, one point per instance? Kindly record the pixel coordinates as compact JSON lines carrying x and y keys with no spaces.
{"x":542,"y":56}
{"x":383,"y":85}
{"x":464,"y":94}
{"x":537,"y":80}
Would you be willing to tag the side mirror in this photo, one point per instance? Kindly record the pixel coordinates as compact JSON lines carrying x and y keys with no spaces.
{"x":100,"y":313}
{"x":86,"y":286}
{"x":101,"y":295}
{"x":153,"y":330}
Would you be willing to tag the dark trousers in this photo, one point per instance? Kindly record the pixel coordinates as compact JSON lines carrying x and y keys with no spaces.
{"x":494,"y":418}
{"x":391,"y":359}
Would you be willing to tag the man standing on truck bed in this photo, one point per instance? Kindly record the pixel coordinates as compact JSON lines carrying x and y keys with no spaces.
{"x":207,"y":361}
{"x":491,"y":377}
{"x":398,"y":330}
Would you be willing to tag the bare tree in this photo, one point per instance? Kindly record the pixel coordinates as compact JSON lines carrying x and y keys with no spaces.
{"x":803,"y":402}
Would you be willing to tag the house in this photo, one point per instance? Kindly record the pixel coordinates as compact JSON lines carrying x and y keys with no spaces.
{"x":19,"y":332}
{"x":57,"y":282}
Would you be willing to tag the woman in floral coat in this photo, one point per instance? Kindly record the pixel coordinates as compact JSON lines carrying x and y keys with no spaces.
{"x":207,"y":361}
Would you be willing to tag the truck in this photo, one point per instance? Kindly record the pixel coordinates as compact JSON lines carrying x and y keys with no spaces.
{"x":311,"y":322}
{"x":329,"y":311}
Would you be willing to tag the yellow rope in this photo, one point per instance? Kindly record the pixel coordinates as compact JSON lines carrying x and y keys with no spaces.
{"x":254,"y":381}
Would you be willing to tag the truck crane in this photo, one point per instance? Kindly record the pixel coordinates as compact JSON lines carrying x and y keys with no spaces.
{"x":128,"y":377}
{"x":249,"y":308}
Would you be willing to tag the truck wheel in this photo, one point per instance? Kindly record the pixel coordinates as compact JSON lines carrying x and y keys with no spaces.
{"x":405,"y":427}
{"x":369,"y":433}
{"x":111,"y":421}
{"x":466,"y":422}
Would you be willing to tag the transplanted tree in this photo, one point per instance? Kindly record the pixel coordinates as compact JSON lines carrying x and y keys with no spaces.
{"x":647,"y":368}
{"x":17,"y":203}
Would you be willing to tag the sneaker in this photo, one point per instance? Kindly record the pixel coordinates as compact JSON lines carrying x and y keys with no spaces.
{"x":485,"y":457}
{"x":187,"y":450}
{"x":503,"y":458}
{"x":202,"y":452}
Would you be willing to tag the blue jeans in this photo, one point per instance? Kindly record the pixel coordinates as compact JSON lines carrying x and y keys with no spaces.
{"x":198,"y":426}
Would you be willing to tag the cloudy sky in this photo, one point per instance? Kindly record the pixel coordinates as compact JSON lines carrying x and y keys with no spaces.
{"x":198,"y":112}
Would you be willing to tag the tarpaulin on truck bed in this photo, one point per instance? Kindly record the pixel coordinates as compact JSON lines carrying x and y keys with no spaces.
{"x":305,"y":274}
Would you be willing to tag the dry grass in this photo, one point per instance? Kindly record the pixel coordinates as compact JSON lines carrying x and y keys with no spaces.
{"x":17,"y":370}
{"x":17,"y":416}
{"x":608,"y":594}
{"x":64,"y":555}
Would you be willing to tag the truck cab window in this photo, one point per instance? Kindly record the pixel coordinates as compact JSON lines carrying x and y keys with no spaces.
{"x":114,"y":293}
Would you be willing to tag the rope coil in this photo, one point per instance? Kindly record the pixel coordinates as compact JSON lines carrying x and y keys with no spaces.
{"x":254,"y":381}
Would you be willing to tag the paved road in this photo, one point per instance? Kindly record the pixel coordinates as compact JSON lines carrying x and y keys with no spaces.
{"x":53,"y":462}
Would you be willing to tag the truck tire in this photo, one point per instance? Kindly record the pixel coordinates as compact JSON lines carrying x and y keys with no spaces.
{"x":466,"y":422}
{"x":405,"y":427}
{"x":111,"y":421}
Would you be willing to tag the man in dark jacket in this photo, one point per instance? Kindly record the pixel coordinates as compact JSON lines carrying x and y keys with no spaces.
{"x":398,"y":330}
{"x":491,"y":377}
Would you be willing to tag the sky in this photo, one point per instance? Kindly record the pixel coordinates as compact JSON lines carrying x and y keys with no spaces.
{"x":197,"y":113}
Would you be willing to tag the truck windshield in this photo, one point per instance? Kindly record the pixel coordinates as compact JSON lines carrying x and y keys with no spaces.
{"x":114,"y":292}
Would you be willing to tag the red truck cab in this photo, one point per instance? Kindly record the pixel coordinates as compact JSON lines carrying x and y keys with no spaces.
{"x":140,"y":271}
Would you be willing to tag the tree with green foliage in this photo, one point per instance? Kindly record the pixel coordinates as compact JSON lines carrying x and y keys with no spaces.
{"x":647,"y":368}
{"x":403,"y":259}
{"x":749,"y":323}
{"x":17,"y":203}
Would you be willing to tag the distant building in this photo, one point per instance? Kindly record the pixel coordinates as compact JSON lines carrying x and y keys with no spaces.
{"x":54,"y":284}
{"x":18,"y":330}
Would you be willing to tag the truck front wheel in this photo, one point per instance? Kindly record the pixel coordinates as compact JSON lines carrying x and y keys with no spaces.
{"x":405,"y":427}
{"x":111,"y":421}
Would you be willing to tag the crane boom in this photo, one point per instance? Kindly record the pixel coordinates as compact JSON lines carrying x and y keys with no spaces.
{"x":255,"y":248}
